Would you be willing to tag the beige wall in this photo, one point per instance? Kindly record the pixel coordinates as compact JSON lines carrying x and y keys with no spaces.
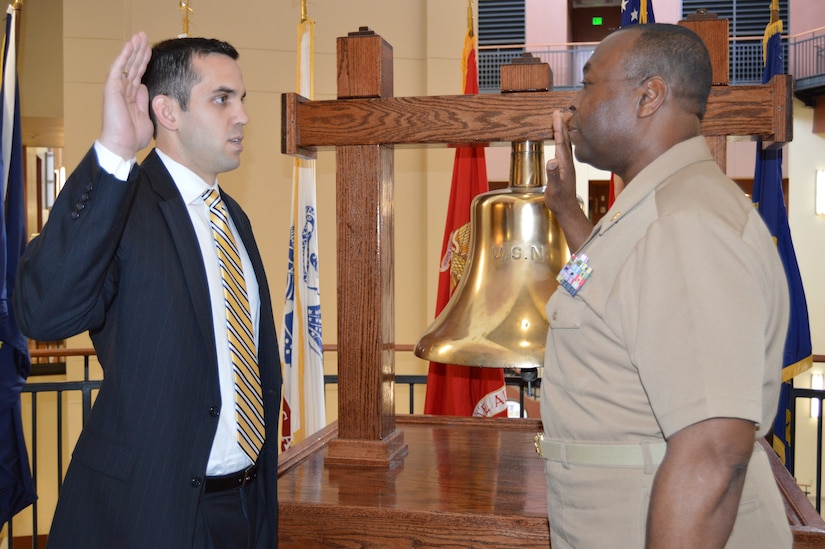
{"x":40,"y":62}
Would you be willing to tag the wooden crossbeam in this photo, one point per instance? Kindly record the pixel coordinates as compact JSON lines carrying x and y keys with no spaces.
{"x":758,"y":111}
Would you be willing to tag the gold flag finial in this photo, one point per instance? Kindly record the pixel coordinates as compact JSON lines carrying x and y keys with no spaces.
{"x":17,"y":6}
{"x":773,"y":28}
{"x":470,"y":26}
{"x":186,"y":9}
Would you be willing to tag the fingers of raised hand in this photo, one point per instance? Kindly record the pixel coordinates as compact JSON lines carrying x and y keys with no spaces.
{"x":133,"y":58}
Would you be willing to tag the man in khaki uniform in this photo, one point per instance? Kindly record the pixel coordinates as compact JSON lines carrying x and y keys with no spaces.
{"x":667,"y":330}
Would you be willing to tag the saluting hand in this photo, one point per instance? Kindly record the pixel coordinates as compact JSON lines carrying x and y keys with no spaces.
{"x":561,"y":175}
{"x":127,"y":127}
{"x":560,"y":193}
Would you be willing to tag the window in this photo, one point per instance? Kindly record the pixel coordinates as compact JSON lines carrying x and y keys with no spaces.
{"x":500,"y":23}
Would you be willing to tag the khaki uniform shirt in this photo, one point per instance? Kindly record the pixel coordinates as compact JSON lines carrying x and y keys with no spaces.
{"x":683,"y":318}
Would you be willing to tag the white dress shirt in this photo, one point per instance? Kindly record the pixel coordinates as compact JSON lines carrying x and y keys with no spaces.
{"x":226,"y":455}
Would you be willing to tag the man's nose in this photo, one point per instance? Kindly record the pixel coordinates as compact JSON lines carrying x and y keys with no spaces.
{"x":243,"y":117}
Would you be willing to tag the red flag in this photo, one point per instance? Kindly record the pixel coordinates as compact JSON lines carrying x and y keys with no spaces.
{"x":463,"y":390}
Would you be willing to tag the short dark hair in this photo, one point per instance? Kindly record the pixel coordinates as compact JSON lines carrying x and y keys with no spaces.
{"x":678,"y":55}
{"x":170,"y":70}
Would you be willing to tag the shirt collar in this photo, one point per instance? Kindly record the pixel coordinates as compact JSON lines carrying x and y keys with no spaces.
{"x":653,"y":175}
{"x":190,"y":186}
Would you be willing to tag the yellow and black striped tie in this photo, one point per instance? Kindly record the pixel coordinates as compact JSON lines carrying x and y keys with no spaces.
{"x":248,"y":401}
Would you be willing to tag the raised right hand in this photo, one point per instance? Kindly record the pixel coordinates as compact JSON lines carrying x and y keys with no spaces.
{"x":560,"y":193}
{"x":127,"y":127}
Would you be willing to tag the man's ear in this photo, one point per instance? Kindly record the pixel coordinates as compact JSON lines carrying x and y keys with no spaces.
{"x":654,"y":92}
{"x":165,"y":109}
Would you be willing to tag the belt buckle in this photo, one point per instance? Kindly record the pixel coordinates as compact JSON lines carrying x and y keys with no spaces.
{"x":537,"y":440}
{"x":248,"y":475}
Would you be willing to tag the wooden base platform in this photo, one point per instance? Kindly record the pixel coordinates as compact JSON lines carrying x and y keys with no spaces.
{"x":464,"y":482}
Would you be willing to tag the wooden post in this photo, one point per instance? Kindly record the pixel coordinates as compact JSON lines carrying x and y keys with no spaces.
{"x":714,"y":33}
{"x":526,"y":74}
{"x":366,"y":298}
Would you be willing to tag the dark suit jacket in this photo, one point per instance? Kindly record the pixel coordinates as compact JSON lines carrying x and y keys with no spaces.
{"x":122,"y":261}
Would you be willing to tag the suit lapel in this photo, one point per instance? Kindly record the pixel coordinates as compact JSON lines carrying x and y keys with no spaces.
{"x":183,"y":238}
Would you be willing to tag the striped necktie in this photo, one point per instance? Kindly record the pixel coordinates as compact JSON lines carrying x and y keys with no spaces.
{"x":248,"y":401}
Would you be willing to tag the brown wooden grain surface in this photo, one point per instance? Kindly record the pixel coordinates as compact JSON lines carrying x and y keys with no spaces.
{"x":462,"y":484}
{"x":366,"y":276}
{"x":762,"y":111}
{"x":465,"y":482}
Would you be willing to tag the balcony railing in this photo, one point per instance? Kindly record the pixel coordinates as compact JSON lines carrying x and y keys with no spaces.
{"x":808,"y":65}
{"x":804,"y":55}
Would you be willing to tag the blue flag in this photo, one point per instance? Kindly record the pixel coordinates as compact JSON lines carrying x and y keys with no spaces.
{"x":637,"y":12}
{"x":769,"y":201}
{"x":16,"y":487}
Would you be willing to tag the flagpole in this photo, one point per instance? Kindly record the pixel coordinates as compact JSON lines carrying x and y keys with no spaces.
{"x":470,"y":25}
{"x":186,"y":9}
{"x":469,"y":42}
{"x":18,"y":7}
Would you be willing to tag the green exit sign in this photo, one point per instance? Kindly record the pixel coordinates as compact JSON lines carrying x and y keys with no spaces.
{"x":597,"y":21}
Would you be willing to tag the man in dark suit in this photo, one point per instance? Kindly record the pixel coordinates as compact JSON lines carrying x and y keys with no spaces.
{"x":128,"y":255}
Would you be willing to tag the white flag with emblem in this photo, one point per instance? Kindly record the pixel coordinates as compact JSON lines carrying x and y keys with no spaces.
{"x":303,"y":411}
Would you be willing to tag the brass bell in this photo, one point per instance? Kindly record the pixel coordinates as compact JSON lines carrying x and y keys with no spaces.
{"x":496,"y":316}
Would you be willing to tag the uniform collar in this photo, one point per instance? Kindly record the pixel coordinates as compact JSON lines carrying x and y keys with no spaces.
{"x":642,"y":186}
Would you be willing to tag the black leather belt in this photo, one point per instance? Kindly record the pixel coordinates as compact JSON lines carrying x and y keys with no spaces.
{"x":232,"y":480}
